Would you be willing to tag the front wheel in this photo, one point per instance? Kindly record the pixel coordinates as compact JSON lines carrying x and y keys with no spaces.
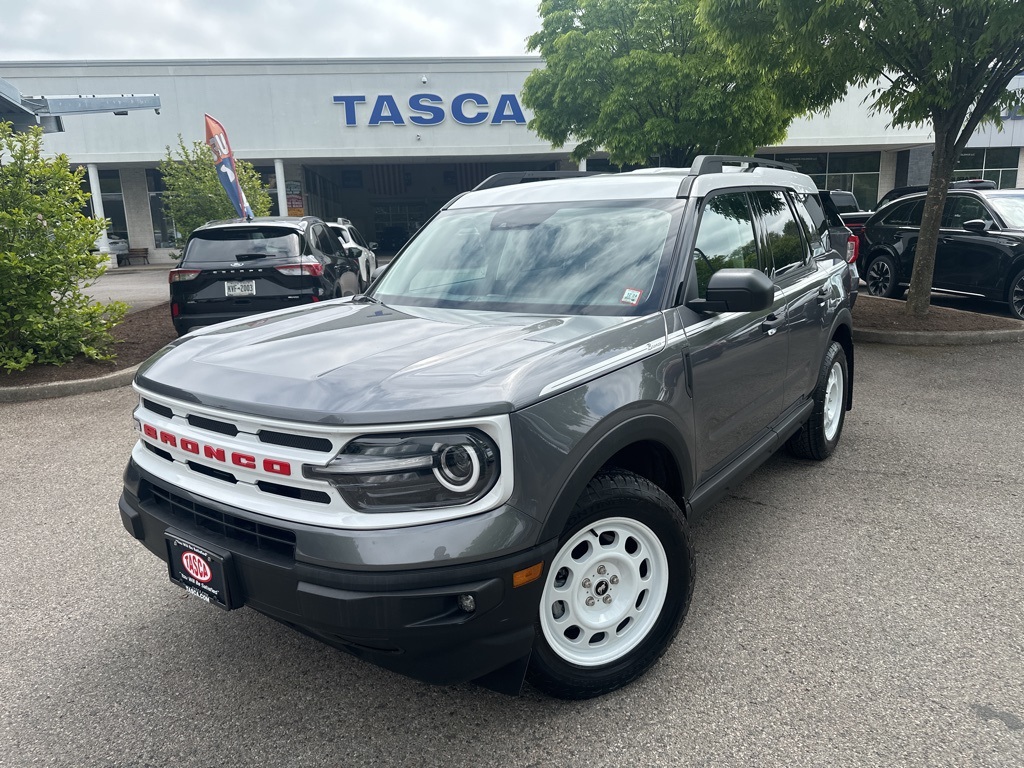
{"x":1016,"y":296}
{"x":820,"y":435}
{"x":617,"y":590}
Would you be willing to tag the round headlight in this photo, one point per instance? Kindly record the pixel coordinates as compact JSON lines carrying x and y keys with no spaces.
{"x":458,"y":467}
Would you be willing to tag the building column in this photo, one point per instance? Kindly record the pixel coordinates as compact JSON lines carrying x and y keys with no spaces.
{"x":137,"y":211}
{"x":1020,"y":169}
{"x":886,"y":177}
{"x":97,"y":211}
{"x":583,"y":164}
{"x":282,"y":193}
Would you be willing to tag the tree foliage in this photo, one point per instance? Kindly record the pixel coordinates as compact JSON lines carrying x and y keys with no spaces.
{"x":639,"y":79}
{"x":45,"y":260}
{"x":938,"y":63}
{"x":194,"y":194}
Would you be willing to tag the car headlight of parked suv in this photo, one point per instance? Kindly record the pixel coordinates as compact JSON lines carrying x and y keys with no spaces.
{"x":387,"y":473}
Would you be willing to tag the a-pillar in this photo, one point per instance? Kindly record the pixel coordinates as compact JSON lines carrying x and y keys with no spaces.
{"x":102,"y":243}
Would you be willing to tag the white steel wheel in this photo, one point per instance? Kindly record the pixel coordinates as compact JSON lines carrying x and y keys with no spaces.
{"x":604,"y":592}
{"x":835,"y":390}
{"x":615,"y":592}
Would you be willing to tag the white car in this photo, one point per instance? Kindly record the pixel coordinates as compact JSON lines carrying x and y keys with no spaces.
{"x":356,"y":247}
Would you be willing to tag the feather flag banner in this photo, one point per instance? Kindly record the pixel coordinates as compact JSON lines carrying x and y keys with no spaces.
{"x":217,"y":139}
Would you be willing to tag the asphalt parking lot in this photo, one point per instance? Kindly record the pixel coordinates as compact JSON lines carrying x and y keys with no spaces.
{"x":867,"y":611}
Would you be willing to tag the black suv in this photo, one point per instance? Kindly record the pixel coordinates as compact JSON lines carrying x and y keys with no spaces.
{"x":483,"y":469}
{"x":238,"y":268}
{"x":980,"y":250}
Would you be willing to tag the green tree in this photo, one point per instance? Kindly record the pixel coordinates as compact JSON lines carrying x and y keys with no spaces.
{"x":639,"y":79}
{"x":194,"y":194}
{"x":45,"y":260}
{"x":939,"y":63}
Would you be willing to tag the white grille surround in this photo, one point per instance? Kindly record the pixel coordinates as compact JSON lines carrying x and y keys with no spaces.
{"x":248,"y":473}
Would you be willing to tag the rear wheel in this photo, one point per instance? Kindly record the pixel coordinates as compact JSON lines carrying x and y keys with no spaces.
{"x":881,"y":277}
{"x":820,"y":435}
{"x":1016,"y":296}
{"x":617,"y":590}
{"x":347,"y":285}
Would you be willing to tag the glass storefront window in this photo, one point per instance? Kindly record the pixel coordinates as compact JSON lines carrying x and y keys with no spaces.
{"x":998,"y":164}
{"x":163,"y":228}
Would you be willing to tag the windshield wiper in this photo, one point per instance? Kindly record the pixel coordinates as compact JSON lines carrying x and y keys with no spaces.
{"x":251,"y":256}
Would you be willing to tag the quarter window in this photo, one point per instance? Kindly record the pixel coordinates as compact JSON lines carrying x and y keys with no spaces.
{"x":906,"y":215}
{"x":725,"y":238}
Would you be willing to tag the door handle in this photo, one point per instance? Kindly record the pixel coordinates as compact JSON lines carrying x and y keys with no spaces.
{"x":771,"y":324}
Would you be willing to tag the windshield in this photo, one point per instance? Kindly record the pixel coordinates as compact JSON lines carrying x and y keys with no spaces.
{"x":558,"y":258}
{"x":241,"y":243}
{"x":1010,"y":207}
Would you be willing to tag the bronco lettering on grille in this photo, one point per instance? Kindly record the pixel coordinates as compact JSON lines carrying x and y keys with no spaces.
{"x":216,"y":453}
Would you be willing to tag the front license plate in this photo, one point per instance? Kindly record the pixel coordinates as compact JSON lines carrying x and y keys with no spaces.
{"x":199,"y":571}
{"x":240,"y":288}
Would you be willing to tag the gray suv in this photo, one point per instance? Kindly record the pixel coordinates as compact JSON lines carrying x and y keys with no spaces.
{"x":483,"y":468}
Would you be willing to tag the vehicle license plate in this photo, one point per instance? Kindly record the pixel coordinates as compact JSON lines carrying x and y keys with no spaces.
{"x":240,"y":288}
{"x":199,"y":571}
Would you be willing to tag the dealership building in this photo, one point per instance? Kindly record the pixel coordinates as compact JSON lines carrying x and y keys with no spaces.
{"x":386,"y":142}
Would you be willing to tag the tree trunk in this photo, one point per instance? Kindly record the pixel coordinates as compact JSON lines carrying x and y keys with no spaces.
{"x":943,"y":157}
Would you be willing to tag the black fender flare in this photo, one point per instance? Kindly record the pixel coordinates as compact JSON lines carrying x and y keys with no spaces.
{"x":594,"y":453}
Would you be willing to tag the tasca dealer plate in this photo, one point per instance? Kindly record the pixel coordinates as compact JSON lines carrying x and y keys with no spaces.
{"x":200,"y":570}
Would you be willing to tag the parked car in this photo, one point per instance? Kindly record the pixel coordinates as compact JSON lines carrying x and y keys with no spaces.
{"x":237,"y":268}
{"x":483,"y":469}
{"x":357,"y":248}
{"x":980,"y":250}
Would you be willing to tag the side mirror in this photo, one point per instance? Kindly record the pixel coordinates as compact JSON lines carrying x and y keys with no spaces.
{"x":379,"y":271}
{"x":372,"y":246}
{"x":977,"y":225}
{"x":736,"y":290}
{"x":353,"y":252}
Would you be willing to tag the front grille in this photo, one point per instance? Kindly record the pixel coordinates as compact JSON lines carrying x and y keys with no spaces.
{"x":163,"y":410}
{"x":222,"y":427}
{"x":305,"y":442}
{"x":265,"y":538}
{"x":291,"y":492}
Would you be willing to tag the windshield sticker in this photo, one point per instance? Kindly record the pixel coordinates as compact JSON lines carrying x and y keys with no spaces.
{"x":631,"y":297}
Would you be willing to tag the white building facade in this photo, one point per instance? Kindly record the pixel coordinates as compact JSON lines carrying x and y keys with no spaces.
{"x":386,"y":142}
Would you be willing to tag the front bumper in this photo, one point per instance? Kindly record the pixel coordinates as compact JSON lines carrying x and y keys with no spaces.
{"x":407,"y":621}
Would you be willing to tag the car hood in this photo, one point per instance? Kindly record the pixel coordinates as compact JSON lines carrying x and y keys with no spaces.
{"x":342,"y":362}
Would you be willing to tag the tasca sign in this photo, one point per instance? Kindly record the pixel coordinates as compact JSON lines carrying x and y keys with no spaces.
{"x":424,"y":109}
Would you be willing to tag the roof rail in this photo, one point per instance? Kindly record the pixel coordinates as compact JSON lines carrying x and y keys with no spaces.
{"x":508,"y":178}
{"x":713,"y":163}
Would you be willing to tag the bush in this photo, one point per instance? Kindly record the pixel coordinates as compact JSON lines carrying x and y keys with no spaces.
{"x":45,"y":261}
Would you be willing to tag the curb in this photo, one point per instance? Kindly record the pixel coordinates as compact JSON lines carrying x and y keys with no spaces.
{"x":936,"y":338}
{"x":66,"y":388}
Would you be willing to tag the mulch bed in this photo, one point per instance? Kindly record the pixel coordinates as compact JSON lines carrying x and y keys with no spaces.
{"x":144,"y":332}
{"x":138,"y":336}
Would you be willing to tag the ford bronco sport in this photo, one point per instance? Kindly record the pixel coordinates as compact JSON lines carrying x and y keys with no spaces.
{"x":491,"y":479}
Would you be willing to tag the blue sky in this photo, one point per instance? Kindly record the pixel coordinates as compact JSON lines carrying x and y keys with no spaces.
{"x":45,"y":30}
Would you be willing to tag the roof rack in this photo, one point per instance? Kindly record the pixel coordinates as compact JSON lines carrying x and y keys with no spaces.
{"x":713,"y":163}
{"x":508,"y":178}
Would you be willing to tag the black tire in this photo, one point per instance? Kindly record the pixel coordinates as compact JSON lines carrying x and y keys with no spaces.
{"x":882,"y":277}
{"x":619,"y":523}
{"x":1015,"y":297}
{"x":819,"y":436}
{"x":347,"y":285}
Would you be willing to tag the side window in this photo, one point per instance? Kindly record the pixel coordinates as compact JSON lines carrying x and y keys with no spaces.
{"x":812,"y":215}
{"x":359,"y":238}
{"x":906,"y":215}
{"x":782,"y":231}
{"x":961,"y":208}
{"x":725,"y":238}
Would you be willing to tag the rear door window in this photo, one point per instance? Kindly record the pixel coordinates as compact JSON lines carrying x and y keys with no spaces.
{"x":783,"y":233}
{"x":239,"y":244}
{"x":905,"y":214}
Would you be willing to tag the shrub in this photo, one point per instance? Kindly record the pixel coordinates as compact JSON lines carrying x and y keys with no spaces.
{"x":45,"y":262}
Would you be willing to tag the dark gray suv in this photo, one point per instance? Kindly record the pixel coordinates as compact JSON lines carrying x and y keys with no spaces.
{"x":483,"y":468}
